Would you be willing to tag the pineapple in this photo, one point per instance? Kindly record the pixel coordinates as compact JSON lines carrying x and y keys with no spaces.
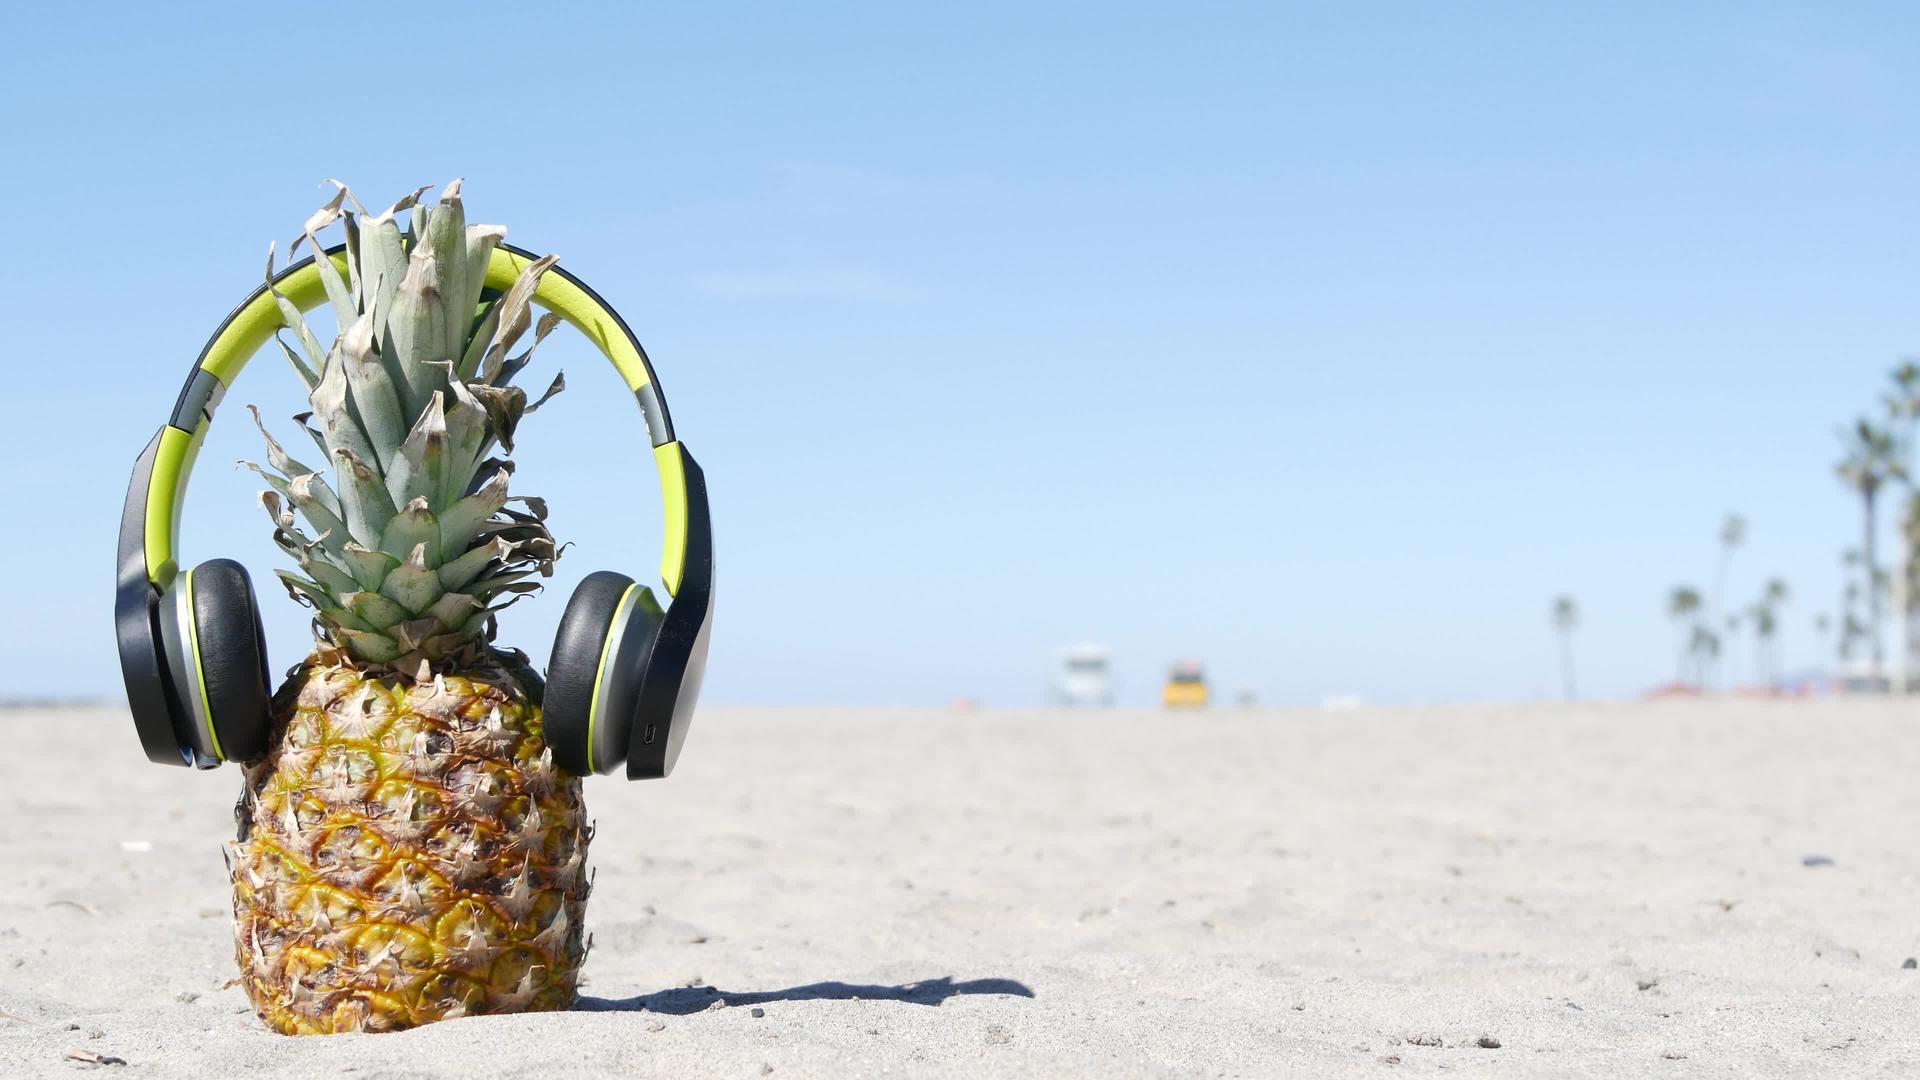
{"x":408,"y":851}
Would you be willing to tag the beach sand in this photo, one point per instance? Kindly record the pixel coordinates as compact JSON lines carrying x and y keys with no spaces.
{"x":1601,"y":890}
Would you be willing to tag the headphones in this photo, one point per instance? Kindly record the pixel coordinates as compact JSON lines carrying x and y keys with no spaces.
{"x":625,"y":672}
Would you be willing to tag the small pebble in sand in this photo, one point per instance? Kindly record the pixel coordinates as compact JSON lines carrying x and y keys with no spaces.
{"x":766,"y":1069}
{"x":757,"y":1012}
{"x":1816,"y":860}
{"x":1424,"y":1040}
{"x":1911,"y":963}
{"x":655,"y":1025}
{"x":186,"y":997}
{"x":1647,"y":984}
{"x":1488,"y":1042}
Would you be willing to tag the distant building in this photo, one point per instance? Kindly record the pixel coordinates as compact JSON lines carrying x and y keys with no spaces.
{"x":1085,"y":679}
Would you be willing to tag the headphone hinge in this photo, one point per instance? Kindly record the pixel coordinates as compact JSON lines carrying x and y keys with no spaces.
{"x":198,"y":399}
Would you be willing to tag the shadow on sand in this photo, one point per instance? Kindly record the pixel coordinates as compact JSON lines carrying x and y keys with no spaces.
{"x":692,"y":999}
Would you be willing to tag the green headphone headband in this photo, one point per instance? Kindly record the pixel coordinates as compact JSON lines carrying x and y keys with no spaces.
{"x":258,"y":318}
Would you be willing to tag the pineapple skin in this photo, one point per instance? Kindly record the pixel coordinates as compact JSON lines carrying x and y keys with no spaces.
{"x":408,"y":852}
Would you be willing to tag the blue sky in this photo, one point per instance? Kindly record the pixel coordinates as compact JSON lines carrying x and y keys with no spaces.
{"x":1325,"y":343}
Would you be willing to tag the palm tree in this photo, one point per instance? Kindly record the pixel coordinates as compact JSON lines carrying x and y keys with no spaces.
{"x":1851,"y":630}
{"x":1906,"y":585}
{"x":1849,"y":596}
{"x":1906,"y":382}
{"x":1733,"y":624}
{"x":1903,"y":414}
{"x":1566,"y":616}
{"x":1704,"y":646}
{"x":1872,"y":457}
{"x":1766,"y":623}
{"x":1733,"y":532}
{"x":1903,"y":401}
{"x":1683,"y":603}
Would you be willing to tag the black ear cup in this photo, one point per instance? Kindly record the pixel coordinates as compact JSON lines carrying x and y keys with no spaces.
{"x":669,"y":692}
{"x":669,"y":689}
{"x":678,"y":663}
{"x":593,"y":680}
{"x":678,"y":660}
{"x":233,"y":657}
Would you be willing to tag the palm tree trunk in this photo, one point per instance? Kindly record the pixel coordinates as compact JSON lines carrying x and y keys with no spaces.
{"x":1899,"y":589}
{"x":1842,"y":649}
{"x":1714,"y":616}
{"x":1902,"y":628}
{"x":1873,"y":590}
{"x":1566,"y":663}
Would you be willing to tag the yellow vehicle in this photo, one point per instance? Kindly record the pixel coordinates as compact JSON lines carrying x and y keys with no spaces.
{"x":1186,"y":687}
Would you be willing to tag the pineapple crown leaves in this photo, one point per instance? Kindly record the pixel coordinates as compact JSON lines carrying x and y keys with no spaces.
{"x":413,"y":548}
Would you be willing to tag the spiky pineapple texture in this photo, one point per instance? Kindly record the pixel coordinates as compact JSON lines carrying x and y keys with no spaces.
{"x":418,"y":548}
{"x":410,"y":854}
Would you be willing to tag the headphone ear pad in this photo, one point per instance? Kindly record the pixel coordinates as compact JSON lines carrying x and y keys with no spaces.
{"x":609,"y":618}
{"x":232,"y":650}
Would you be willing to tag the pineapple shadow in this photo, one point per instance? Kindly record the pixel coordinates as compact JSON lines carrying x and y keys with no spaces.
{"x":685,"y":1000}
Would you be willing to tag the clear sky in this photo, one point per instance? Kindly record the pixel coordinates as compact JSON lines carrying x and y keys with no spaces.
{"x":1325,"y":343}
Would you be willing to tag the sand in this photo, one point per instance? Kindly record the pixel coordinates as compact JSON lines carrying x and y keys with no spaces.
{"x":1611,"y":891}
